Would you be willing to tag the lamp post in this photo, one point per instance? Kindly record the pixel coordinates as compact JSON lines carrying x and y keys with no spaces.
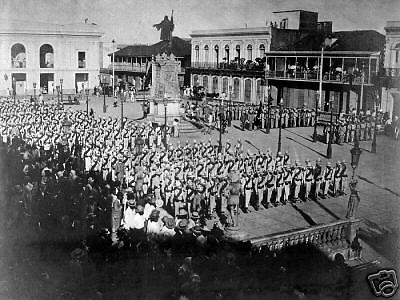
{"x":373,"y":145}
{"x":34,"y":91}
{"x":280,"y":125}
{"x":329,"y":149}
{"x":87,"y":101}
{"x":103,"y":84}
{"x":122,"y":109}
{"x":61,"y":90}
{"x":269,"y":99}
{"x":14,"y":89}
{"x":315,"y":134}
{"x":58,"y":93}
{"x":354,"y":197}
{"x":220,"y":128}
{"x":165,"y":119}
{"x":113,"y":69}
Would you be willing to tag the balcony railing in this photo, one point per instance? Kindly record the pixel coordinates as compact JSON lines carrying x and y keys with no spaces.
{"x":128,"y":67}
{"x":333,"y":77}
{"x":228,"y":66}
{"x":392,"y":72}
{"x":320,"y":235}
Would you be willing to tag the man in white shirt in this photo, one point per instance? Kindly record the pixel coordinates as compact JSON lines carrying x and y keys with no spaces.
{"x":138,"y":219}
{"x":129,"y":215}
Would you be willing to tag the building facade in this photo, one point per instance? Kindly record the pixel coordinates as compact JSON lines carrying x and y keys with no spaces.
{"x":287,"y":54}
{"x":132,"y":63}
{"x":39,"y":57}
{"x":219,"y":61}
{"x":391,"y":86}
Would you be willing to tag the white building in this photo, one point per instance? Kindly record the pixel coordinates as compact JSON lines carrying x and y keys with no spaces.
{"x":391,"y":93}
{"x":216,"y":49}
{"x":44,"y":55}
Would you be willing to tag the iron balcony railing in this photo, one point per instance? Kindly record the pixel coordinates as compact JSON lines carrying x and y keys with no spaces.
{"x":392,"y":72}
{"x":227,"y":66}
{"x":315,"y":76}
{"x":128,"y":67}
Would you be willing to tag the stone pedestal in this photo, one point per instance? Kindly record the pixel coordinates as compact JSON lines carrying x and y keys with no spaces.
{"x":172,"y":111}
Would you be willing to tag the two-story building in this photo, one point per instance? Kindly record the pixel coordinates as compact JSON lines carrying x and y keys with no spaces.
{"x":41,"y":56}
{"x":287,"y":53}
{"x":391,"y":86}
{"x":132,"y":63}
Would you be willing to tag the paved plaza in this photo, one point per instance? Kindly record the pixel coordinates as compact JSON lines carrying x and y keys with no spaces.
{"x":378,"y":181}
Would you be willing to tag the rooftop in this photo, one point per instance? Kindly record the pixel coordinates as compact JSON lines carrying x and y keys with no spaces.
{"x":41,"y":28}
{"x":178,"y":47}
{"x":231,"y":31}
{"x":353,"y":41}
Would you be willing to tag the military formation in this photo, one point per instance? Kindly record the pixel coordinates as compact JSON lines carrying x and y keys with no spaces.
{"x":100,"y":168}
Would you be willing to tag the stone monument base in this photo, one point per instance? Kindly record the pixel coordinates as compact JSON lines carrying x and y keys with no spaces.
{"x":159,"y":111}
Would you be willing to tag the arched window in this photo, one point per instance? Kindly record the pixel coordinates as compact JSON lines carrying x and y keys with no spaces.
{"x":215,"y":84}
{"x":227,"y":53}
{"x":195,"y":80}
{"x":205,"y":83}
{"x":238,"y":51}
{"x":236,"y":89}
{"x":216,"y":53}
{"x":247,"y":90}
{"x":46,"y":54}
{"x":18,"y":56}
{"x":197,"y":53}
{"x":249,"y":52}
{"x":262,"y":50}
{"x":206,"y":53}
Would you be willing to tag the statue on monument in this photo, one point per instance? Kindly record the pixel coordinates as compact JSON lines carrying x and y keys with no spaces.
{"x":166,"y":26}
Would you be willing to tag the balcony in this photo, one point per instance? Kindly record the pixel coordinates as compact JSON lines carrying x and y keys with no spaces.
{"x":392,"y":72}
{"x":314,"y":75}
{"x":128,"y":67}
{"x":234,"y":65}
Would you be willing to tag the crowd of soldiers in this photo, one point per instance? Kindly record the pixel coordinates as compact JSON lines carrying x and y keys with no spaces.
{"x":88,"y":168}
{"x":250,"y":115}
{"x":348,"y":127}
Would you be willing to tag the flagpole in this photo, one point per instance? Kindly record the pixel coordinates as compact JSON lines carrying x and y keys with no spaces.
{"x":320,"y":77}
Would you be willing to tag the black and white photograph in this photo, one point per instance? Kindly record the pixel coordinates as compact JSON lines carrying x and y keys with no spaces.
{"x":199,"y":149}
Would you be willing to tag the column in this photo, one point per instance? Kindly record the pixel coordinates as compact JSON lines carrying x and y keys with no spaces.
{"x":241,"y":89}
{"x":341,"y":101}
{"x":253,"y":97}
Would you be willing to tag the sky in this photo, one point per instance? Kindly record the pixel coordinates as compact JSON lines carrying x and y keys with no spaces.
{"x":130,"y":21}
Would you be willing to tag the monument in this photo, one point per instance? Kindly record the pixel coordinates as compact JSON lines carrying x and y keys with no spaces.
{"x":166,"y":103}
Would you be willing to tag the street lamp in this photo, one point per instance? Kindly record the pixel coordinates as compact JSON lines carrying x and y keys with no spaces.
{"x":373,"y":146}
{"x":280,"y":125}
{"x":58,"y":93}
{"x":220,"y":128}
{"x":113,"y":69}
{"x":14,"y":88}
{"x":87,"y":101}
{"x":315,"y":134}
{"x":354,"y":197}
{"x":165,"y":119}
{"x":34,"y":91}
{"x":329,"y":149}
{"x":103,"y":84}
{"x":61,"y":90}
{"x":269,"y":99}
{"x":122,"y":109}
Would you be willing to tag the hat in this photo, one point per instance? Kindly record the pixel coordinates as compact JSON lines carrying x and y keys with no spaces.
{"x":183,"y":224}
{"x":154,"y":213}
{"x":195,"y":215}
{"x":131,"y":202}
{"x":169,"y":222}
{"x":197,"y":229}
{"x":139,"y":208}
{"x":182,"y":212}
{"x":159,"y":203}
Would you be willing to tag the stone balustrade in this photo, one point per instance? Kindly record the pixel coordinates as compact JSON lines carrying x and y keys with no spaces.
{"x":326,"y":235}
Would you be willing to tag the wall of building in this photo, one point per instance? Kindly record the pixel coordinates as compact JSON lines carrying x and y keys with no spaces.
{"x":65,"y":53}
{"x":243,"y":41}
